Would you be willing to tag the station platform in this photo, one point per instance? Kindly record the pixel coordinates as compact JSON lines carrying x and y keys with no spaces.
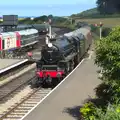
{"x":65,"y":101}
{"x":7,"y":64}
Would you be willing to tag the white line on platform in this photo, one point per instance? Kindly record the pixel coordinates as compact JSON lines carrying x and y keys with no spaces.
{"x":52,"y":91}
{"x":12,"y":66}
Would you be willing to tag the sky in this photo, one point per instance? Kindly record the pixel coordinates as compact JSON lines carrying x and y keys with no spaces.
{"x":45,"y":7}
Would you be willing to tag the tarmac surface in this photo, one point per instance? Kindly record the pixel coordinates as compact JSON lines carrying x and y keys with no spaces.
{"x":65,"y":102}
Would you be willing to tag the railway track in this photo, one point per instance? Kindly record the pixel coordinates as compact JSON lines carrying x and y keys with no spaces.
{"x":17,"y":111}
{"x":15,"y":84}
{"x":11,"y":86}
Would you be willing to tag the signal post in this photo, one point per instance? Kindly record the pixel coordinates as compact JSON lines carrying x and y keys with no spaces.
{"x":100,"y":25}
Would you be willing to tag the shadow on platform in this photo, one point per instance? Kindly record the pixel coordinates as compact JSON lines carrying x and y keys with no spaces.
{"x":73,"y":112}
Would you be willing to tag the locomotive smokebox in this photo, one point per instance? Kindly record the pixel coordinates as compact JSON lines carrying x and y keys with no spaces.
{"x":50,"y":53}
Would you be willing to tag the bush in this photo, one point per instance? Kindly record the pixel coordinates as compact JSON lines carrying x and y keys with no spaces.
{"x":88,"y":111}
{"x":112,"y":113}
{"x":108,"y":55}
{"x":108,"y":92}
{"x":105,"y":31}
{"x":96,"y":30}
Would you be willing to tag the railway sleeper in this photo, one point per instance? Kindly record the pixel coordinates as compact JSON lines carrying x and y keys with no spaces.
{"x":30,"y":102}
{"x":21,"y":108}
{"x":26,"y":105}
{"x":10,"y":117}
{"x":20,"y":111}
{"x":18,"y":114}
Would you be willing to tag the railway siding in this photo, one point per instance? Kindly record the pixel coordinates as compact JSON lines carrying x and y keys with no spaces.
{"x":9,"y":79}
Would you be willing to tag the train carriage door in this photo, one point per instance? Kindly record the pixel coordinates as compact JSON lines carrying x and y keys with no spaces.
{"x":18,"y":40}
{"x":15,"y":40}
{"x":1,"y":54}
{"x":0,"y":42}
{"x":6,"y":40}
{"x":12,"y":38}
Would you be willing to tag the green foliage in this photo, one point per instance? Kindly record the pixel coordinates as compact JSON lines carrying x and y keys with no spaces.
{"x":41,"y":18}
{"x":93,"y":28}
{"x":86,"y":13}
{"x":94,"y":13}
{"x":91,"y":112}
{"x":108,"y":6}
{"x":112,"y":113}
{"x":88,"y":111}
{"x":96,"y":30}
{"x":108,"y":92}
{"x":105,"y":31}
{"x":104,"y":92}
{"x":107,"y":55}
{"x":56,"y":21}
{"x":108,"y":58}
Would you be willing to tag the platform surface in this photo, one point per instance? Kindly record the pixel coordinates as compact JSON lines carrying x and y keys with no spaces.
{"x":64,"y":103}
{"x":8,"y":63}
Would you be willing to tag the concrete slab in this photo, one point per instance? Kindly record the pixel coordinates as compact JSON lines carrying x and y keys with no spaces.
{"x":64,"y":103}
{"x":6,"y":64}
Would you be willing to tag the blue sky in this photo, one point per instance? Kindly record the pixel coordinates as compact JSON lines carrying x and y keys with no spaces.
{"x":45,"y":7}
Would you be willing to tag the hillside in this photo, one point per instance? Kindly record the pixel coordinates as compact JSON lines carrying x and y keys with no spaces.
{"x":88,"y":12}
{"x":93,"y":13}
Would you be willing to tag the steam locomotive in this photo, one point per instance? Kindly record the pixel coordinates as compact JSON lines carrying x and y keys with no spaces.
{"x":61,"y":56}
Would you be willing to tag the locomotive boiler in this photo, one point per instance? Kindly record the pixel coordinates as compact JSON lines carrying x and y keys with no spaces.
{"x":59,"y":57}
{"x":57,"y":50}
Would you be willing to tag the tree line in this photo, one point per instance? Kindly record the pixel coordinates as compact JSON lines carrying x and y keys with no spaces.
{"x":108,"y":6}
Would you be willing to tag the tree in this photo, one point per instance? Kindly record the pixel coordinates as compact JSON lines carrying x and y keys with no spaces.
{"x":50,"y":16}
{"x":41,"y":18}
{"x":108,"y":6}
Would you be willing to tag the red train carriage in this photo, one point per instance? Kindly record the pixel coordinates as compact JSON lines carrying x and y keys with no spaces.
{"x":11,"y":43}
{"x":0,"y":42}
{"x":18,"y":42}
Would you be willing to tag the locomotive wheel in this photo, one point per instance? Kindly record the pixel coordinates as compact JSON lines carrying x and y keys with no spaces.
{"x":35,"y":83}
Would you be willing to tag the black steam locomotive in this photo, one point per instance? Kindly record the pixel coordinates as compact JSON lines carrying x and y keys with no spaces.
{"x":59,"y":57}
